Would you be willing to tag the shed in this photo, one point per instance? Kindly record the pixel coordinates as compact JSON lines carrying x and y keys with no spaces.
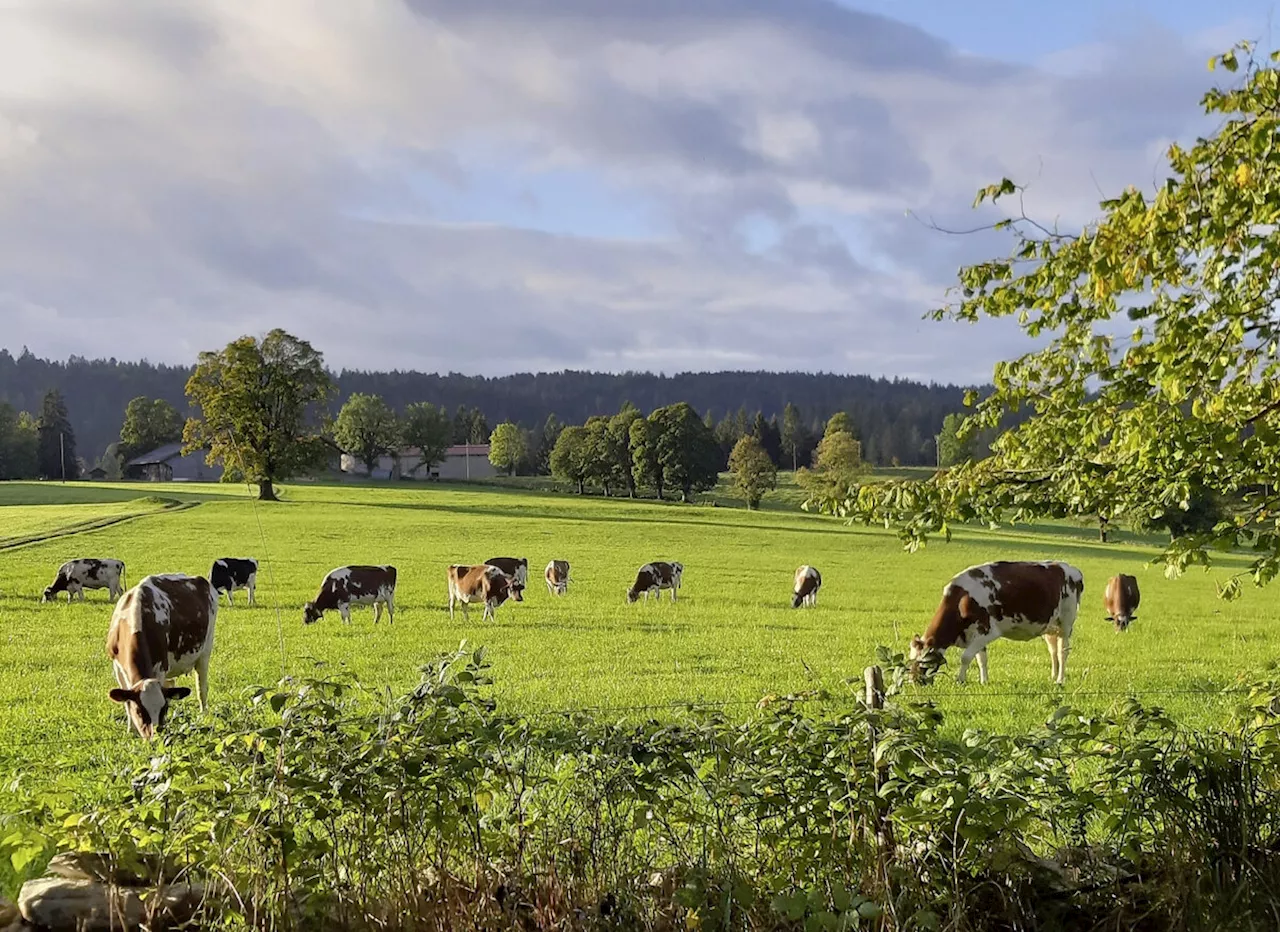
{"x":167,"y":464}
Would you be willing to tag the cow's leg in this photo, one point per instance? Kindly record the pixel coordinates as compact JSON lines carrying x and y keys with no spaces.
{"x":344,"y":609}
{"x":391,"y":608}
{"x":377,"y":611}
{"x":982,"y":666}
{"x":202,"y":679}
{"x":253,"y":585}
{"x":123,"y":682}
{"x":488,"y":610}
{"x":1064,"y":648}
{"x":1051,"y":642}
{"x":673,"y":593}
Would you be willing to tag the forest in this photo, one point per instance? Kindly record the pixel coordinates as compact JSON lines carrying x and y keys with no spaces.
{"x":896,"y":419}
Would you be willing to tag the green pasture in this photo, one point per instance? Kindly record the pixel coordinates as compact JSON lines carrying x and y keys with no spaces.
{"x":731,"y":637}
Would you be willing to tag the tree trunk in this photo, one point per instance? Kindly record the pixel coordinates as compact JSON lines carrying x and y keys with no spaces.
{"x":266,"y":491}
{"x":582,"y":490}
{"x":1102,"y":529}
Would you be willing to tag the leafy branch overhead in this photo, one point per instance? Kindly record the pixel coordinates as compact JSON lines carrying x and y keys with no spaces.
{"x":1158,"y":380}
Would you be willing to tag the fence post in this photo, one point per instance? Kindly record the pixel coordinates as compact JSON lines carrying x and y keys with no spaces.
{"x":874,"y":678}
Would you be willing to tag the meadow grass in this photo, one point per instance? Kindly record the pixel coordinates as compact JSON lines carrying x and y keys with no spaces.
{"x":731,"y":636}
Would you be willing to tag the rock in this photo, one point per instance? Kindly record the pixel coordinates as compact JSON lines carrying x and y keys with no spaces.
{"x":177,"y":903}
{"x":61,"y":904}
{"x":86,"y":865}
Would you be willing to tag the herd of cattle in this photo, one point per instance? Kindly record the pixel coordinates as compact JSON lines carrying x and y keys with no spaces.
{"x":163,"y":627}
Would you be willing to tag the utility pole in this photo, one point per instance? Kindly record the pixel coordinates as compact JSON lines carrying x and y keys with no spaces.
{"x":62,"y":454}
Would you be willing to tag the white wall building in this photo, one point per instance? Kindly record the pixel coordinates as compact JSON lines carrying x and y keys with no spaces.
{"x":461,"y":462}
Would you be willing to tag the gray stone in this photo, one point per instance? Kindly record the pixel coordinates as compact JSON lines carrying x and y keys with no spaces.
{"x":86,"y":865}
{"x":61,"y":904}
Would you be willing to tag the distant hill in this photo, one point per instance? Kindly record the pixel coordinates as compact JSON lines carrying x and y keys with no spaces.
{"x":896,"y":418}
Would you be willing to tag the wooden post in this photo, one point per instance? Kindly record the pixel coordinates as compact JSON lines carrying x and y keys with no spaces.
{"x":874,"y":678}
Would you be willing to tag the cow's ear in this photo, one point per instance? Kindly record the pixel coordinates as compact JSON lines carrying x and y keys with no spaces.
{"x":968,"y":608}
{"x":917,"y":642}
{"x":123,"y":695}
{"x":177,"y":692}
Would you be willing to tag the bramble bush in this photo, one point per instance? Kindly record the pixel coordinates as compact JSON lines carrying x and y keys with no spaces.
{"x":322,"y":805}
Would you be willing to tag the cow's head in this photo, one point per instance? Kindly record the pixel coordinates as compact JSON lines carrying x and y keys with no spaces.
{"x":925,"y":659}
{"x":147,"y":703}
{"x":1122,"y":621}
{"x":632,"y":594}
{"x":516,"y":590}
{"x":796,"y":599}
{"x":49,"y":593}
{"x":311,"y":614}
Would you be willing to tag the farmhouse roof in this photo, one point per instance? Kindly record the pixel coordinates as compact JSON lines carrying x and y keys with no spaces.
{"x":463,"y":449}
{"x":159,"y":455}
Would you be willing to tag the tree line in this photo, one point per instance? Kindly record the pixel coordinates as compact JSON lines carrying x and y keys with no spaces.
{"x":897,"y":418}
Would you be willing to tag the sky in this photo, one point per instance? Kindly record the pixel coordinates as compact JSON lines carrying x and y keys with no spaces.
{"x":496,"y":186}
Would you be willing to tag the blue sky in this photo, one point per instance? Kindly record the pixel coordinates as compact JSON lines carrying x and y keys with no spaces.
{"x":492,"y":186}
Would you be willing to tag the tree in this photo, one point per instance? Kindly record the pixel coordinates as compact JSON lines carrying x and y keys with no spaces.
{"x":840,"y":422}
{"x":646,"y":469}
{"x":620,"y":434}
{"x":837,"y":467}
{"x":795,"y":435}
{"x":686,"y":449}
{"x":1184,"y":400}
{"x":56,"y":445}
{"x":470,"y":425}
{"x":506,"y":447}
{"x":770,"y":437}
{"x":256,"y":404}
{"x":606,"y":459}
{"x":952,"y":448}
{"x":428,"y":428}
{"x":568,"y":459}
{"x":368,"y":429}
{"x":148,"y":423}
{"x":546,"y":443}
{"x":19,"y":440}
{"x":753,"y":471}
{"x":111,"y":462}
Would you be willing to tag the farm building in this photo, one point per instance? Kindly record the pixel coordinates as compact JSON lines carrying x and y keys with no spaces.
{"x":461,"y":462}
{"x":167,"y":464}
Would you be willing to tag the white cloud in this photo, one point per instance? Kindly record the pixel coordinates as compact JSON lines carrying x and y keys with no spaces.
{"x":182,"y":174}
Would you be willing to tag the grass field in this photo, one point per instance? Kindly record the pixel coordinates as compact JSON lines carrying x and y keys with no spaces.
{"x":732,"y":635}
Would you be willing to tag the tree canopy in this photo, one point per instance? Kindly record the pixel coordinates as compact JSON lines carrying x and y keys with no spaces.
{"x":258,"y":405}
{"x":148,"y":423}
{"x":56,"y":443}
{"x":1159,"y":377}
{"x":753,"y":471}
{"x":429,"y":428}
{"x":506,"y":447}
{"x":367,"y":428}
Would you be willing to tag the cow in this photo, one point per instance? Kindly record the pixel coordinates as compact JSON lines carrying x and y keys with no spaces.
{"x":1015,"y":600}
{"x":346,"y":586}
{"x":484,"y":583}
{"x":75,"y":576}
{"x":808,"y":582}
{"x":231,"y":573}
{"x":1121,"y":601}
{"x":515,"y":567}
{"x":654,"y":577}
{"x":557,"y":575}
{"x":162,"y":628}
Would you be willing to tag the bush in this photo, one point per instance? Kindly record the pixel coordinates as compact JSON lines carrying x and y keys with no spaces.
{"x":324,"y":807}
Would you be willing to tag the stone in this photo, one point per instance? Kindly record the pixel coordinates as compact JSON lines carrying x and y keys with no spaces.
{"x":62,"y":904}
{"x":176,"y":903}
{"x":86,"y":865}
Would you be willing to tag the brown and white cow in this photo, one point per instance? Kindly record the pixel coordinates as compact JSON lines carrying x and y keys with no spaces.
{"x":75,"y":576}
{"x":1121,"y":600}
{"x":484,"y":583}
{"x":515,"y":567}
{"x":808,"y":582}
{"x":346,"y":586}
{"x":557,"y":575}
{"x":1015,"y":600}
{"x":654,"y":577}
{"x":161,"y":628}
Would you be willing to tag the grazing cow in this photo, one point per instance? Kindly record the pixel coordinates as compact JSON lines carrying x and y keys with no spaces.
{"x":485,"y":583}
{"x":162,"y":628}
{"x":232,"y":573}
{"x":346,"y":586}
{"x":1015,"y":600}
{"x":75,"y":576}
{"x":654,"y":577}
{"x":558,"y":577}
{"x":1121,"y":601}
{"x":808,"y":582}
{"x":515,"y":567}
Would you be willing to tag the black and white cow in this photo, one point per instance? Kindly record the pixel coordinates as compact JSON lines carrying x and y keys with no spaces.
{"x":75,"y":576}
{"x":231,"y":573}
{"x":654,"y":577}
{"x":346,"y":586}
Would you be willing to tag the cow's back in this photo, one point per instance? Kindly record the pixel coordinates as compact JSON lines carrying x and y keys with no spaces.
{"x":1024,"y":592}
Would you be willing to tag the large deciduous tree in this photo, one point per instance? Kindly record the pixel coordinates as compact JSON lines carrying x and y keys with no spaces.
{"x":753,"y":471}
{"x":368,"y":429}
{"x":19,"y":441}
{"x":686,"y":449}
{"x":795,"y":435}
{"x":148,"y":423}
{"x":837,"y":465}
{"x":507,"y":447}
{"x":259,"y":408}
{"x":1158,"y":381}
{"x":569,"y":458}
{"x":952,"y":447}
{"x":56,"y":447}
{"x":429,"y":428}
